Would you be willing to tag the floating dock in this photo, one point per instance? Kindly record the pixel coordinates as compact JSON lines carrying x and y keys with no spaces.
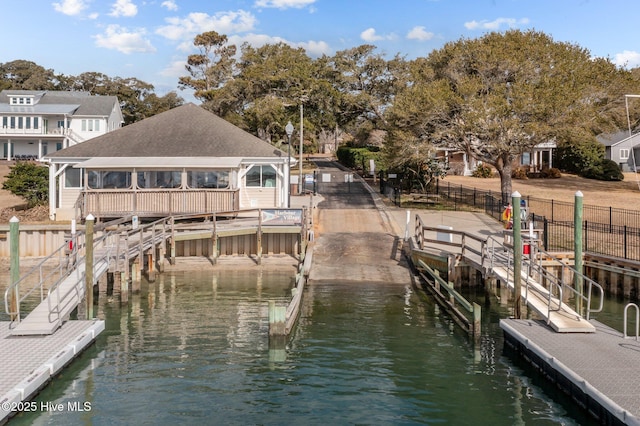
{"x":598,"y":370}
{"x":28,"y":363}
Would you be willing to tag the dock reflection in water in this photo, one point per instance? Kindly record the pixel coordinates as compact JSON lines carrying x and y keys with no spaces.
{"x":193,"y":348}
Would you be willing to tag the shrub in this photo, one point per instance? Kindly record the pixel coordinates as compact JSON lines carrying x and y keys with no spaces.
{"x":520,"y":173}
{"x":482,"y":171}
{"x":550,"y":173}
{"x":605,"y":170}
{"x":29,"y":181}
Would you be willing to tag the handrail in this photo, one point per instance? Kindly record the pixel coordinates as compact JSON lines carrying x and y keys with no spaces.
{"x":55,"y":308}
{"x":474,"y":309}
{"x":61,"y":271}
{"x":626,"y":308}
{"x":495,"y":253}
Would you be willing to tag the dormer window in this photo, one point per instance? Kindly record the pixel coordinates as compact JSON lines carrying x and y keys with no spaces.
{"x":18,"y":100}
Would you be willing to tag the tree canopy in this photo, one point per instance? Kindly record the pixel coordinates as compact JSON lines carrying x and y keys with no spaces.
{"x":137,"y":98}
{"x":498,"y":96}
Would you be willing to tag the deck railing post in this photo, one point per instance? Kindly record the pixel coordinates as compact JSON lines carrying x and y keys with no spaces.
{"x":173,"y":241}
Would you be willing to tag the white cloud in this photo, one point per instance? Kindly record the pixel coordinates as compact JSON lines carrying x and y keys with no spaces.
{"x":284,"y":4}
{"x":198,"y":23}
{"x":122,"y":40}
{"x":174,"y":69}
{"x":123,"y":8}
{"x":370,"y":35}
{"x":627,"y":59}
{"x":170,"y":5}
{"x":70,"y":7}
{"x":420,"y":33}
{"x":496,"y":24}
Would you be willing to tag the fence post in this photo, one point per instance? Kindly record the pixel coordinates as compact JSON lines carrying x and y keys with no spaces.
{"x":577,"y":244}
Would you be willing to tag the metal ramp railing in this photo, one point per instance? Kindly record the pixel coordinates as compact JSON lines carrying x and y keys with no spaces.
{"x":551,"y":295}
{"x":64,"y":281}
{"x":564,"y":307}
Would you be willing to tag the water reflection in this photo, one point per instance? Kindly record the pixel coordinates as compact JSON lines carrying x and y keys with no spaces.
{"x":193,"y":348}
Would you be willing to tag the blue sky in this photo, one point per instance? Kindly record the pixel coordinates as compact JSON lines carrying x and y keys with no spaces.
{"x":151,"y":39}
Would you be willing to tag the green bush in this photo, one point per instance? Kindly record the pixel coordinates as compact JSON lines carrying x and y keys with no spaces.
{"x":355,"y":158}
{"x":29,"y":181}
{"x":482,"y":171}
{"x":577,"y":152}
{"x":606,"y":170}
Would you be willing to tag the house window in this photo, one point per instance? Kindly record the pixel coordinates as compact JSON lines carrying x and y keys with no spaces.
{"x":60,"y":124}
{"x":20,"y":122}
{"x":159,"y":179}
{"x":624,"y":153}
{"x":261,"y":177}
{"x":13,"y":122}
{"x":35,"y":122}
{"x":218,"y":179}
{"x":108,"y":179}
{"x":525,"y":159}
{"x":73,"y":178}
{"x":4,"y":122}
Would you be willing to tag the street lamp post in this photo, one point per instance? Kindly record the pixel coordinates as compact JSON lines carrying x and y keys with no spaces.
{"x":301,"y":142}
{"x":289,"y":129}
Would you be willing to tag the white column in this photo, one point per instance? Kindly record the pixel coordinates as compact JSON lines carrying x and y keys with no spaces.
{"x":53,"y":193}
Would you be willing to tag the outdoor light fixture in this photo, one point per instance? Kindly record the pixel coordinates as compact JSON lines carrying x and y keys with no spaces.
{"x":289,"y":129}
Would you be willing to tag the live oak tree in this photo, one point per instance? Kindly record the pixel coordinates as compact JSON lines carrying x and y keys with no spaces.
{"x":498,"y":96}
{"x":210,"y":69}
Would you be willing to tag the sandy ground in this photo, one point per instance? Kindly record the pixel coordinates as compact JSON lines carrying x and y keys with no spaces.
{"x":624,"y":194}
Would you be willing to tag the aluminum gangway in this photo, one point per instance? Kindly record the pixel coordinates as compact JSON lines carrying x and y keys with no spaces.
{"x":57,"y":284}
{"x":555,"y":297}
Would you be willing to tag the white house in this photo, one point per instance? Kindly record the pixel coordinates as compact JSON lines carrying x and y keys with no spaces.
{"x":35,"y":123}
{"x":182,"y":161}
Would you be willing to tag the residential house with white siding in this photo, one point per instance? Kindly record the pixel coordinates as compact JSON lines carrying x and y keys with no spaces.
{"x":34,"y":123}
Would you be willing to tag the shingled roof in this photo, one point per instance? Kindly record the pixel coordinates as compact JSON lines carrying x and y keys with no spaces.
{"x":185,"y":131}
{"x":83,"y":103}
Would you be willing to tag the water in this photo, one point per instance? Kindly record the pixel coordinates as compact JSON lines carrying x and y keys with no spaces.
{"x":193,"y":349}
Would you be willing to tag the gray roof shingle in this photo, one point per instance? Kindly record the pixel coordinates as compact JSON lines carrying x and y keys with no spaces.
{"x":185,"y":131}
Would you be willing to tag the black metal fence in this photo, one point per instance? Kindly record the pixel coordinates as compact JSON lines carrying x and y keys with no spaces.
{"x":606,"y":230}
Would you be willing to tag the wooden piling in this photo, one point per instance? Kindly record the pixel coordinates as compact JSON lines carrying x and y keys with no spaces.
{"x":259,"y":238}
{"x":89,"y":265}
{"x":14,"y":235}
{"x":277,"y":319}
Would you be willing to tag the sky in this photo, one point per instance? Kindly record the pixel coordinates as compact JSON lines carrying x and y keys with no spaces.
{"x":151,"y":39}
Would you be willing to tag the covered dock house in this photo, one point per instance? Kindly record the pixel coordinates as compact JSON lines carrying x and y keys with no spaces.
{"x":182,"y":161}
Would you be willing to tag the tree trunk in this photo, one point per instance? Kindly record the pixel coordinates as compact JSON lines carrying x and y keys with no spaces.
{"x":503,"y":165}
